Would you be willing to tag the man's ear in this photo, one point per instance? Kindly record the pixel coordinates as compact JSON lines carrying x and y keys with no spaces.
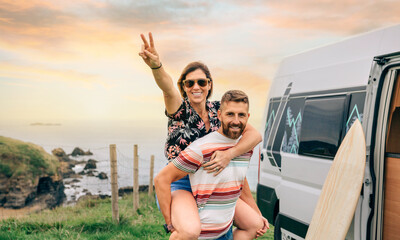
{"x":219,"y":114}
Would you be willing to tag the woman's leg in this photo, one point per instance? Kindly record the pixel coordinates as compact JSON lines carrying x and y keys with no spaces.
{"x":184,"y":216}
{"x":247,"y":221}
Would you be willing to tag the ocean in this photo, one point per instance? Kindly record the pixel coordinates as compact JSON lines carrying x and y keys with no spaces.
{"x":97,"y":137}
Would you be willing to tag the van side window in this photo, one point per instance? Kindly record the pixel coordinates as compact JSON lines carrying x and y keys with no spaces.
{"x":356,"y":109}
{"x":322,"y":126}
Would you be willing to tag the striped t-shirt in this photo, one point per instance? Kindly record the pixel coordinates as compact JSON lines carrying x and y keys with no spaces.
{"x":215,"y":196}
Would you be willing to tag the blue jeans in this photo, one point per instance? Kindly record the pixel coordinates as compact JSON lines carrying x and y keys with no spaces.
{"x":181,"y":184}
{"x":227,"y":236}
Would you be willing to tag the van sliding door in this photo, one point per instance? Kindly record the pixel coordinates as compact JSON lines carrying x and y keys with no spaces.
{"x":391,"y":212}
{"x":380,"y":127}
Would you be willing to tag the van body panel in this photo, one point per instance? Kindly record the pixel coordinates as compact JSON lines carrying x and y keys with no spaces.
{"x":344,"y":75}
{"x":327,"y":89}
{"x":267,"y":200}
{"x":314,"y":171}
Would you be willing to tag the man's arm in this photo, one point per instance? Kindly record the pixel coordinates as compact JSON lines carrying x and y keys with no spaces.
{"x":162,"y":183}
{"x":247,"y":197}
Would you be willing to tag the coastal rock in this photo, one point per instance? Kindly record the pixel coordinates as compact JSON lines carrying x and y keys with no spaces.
{"x":88,"y":153}
{"x":72,"y":181}
{"x":23,"y":191}
{"x":50,"y":192}
{"x":91,"y":164}
{"x":66,"y":169}
{"x":75,"y":176}
{"x":59,"y":152}
{"x":88,"y":196}
{"x":91,"y":160}
{"x":128,"y":190}
{"x":102,"y":175}
{"x":90,"y":173}
{"x":3,"y":188}
{"x":77,"y":152}
{"x":62,"y":156}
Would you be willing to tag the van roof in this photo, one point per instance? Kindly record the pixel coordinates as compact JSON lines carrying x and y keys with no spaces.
{"x":339,"y":65}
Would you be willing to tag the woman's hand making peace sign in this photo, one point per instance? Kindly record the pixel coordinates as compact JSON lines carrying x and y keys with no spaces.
{"x":149,"y":53}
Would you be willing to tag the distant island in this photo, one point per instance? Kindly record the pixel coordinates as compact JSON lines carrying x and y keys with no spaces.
{"x":45,"y":124}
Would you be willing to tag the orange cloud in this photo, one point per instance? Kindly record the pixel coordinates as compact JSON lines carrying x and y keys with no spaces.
{"x":16,"y":84}
{"x":21,"y":6}
{"x":146,"y":98}
{"x":43,"y":28}
{"x":343,"y":16}
{"x":240,"y":79}
{"x":254,"y":85}
{"x":43,"y":74}
{"x":18,"y":6}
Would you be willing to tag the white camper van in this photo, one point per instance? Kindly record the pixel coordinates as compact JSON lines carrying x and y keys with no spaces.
{"x":314,"y":99}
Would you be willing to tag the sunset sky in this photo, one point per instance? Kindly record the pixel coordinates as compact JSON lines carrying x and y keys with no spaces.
{"x":78,"y":60}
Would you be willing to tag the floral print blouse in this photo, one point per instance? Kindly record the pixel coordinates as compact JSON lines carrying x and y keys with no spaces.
{"x":185,"y":126}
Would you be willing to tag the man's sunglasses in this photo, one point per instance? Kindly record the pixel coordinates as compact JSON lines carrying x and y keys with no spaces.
{"x":202,"y":82}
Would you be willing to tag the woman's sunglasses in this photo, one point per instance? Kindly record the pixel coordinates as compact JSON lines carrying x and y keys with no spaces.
{"x":202,"y":82}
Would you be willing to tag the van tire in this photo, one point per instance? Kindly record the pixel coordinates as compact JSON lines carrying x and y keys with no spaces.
{"x":277,"y":229}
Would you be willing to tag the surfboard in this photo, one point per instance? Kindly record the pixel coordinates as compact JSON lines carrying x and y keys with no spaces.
{"x":342,"y":187}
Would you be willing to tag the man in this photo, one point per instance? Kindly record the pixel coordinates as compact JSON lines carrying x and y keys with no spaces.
{"x":216,"y":196}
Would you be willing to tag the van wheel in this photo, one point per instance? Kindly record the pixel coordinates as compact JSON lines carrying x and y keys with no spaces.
{"x":277,"y":229}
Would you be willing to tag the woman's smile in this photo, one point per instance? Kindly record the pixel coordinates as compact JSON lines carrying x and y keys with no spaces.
{"x":196,"y":92}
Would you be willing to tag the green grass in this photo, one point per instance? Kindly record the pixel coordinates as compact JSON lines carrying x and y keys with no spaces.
{"x":18,"y":157}
{"x":92,"y":219}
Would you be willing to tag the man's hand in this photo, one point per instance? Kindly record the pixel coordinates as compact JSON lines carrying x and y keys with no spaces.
{"x":263,"y":230}
{"x":219,"y":160}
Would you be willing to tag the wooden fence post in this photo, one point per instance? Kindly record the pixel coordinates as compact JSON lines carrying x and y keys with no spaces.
{"x":135,"y":178}
{"x":114,"y":182}
{"x":151,"y":176}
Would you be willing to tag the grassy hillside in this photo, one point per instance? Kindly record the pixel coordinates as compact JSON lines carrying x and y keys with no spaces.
{"x":92,"y":219}
{"x":18,"y":157}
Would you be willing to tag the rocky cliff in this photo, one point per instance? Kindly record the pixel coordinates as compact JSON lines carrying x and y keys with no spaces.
{"x":28,"y":176}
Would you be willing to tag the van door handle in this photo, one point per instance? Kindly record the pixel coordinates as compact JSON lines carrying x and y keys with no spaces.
{"x":262,"y":157}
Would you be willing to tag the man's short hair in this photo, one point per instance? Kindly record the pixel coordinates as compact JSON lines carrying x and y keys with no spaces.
{"x":235,"y":96}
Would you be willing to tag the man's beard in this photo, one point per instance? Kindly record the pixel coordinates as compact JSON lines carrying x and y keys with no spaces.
{"x":234,"y":135}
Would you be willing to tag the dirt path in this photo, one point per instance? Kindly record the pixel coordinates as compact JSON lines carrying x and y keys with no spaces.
{"x":17,"y":213}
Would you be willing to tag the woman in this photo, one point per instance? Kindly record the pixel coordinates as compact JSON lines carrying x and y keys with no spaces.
{"x":192,"y":116}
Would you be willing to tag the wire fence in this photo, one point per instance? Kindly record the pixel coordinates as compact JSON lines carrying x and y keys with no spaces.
{"x":125,"y":167}
{"x":87,"y":181}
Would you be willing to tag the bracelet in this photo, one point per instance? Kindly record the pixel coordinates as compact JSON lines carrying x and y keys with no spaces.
{"x":167,"y":228}
{"x":158,"y":66}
